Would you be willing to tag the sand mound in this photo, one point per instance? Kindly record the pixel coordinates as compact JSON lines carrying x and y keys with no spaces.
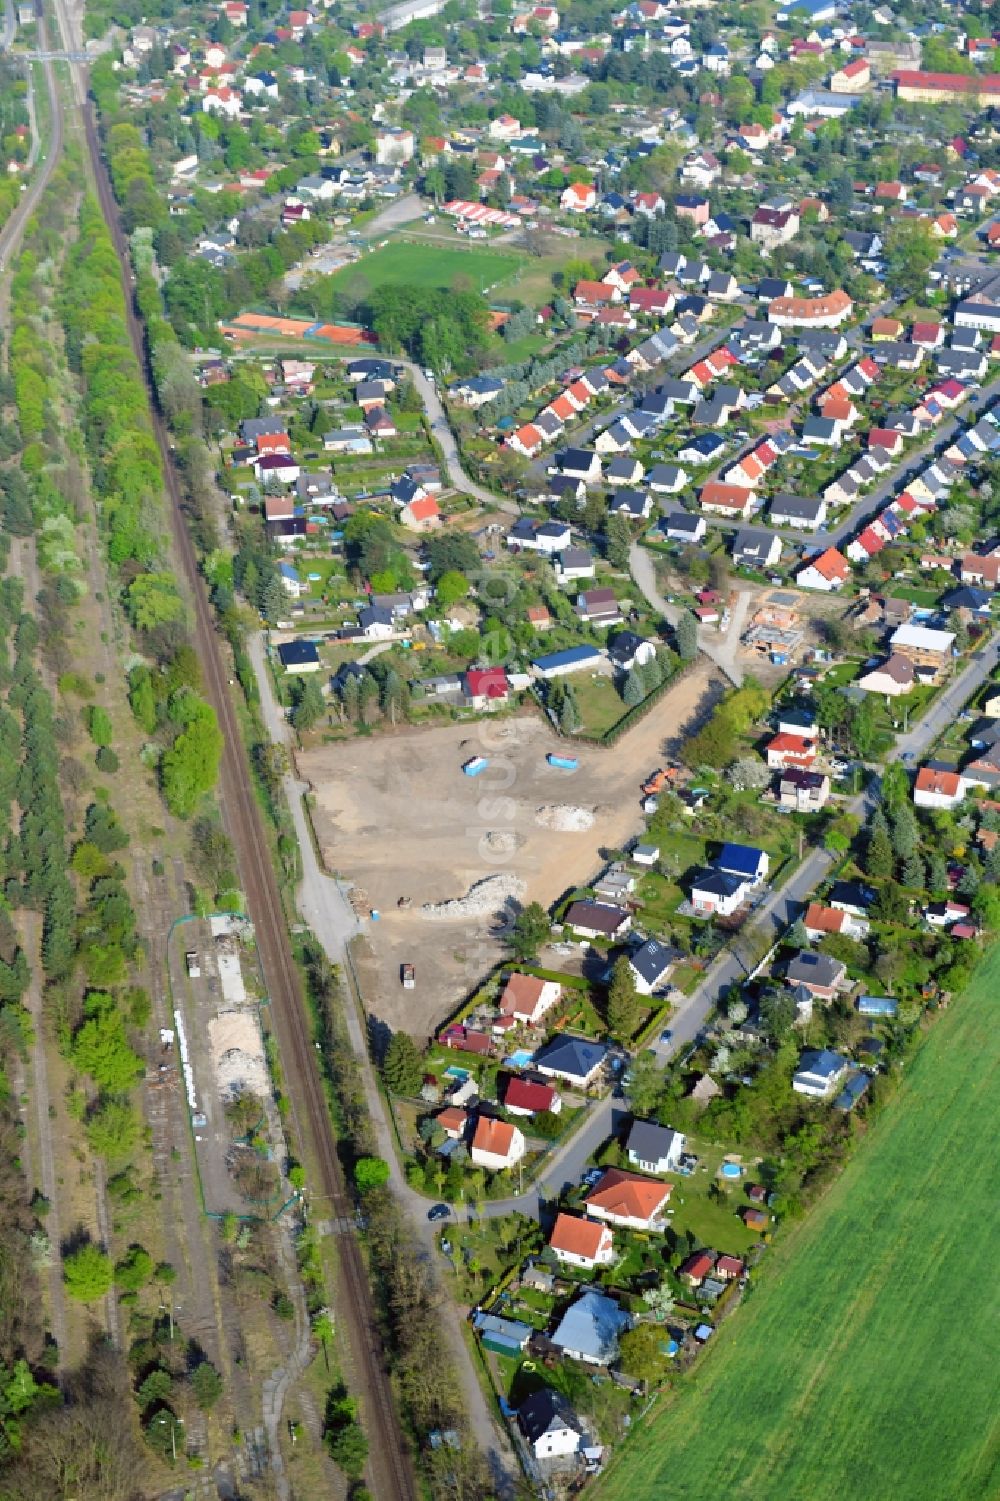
{"x":481,"y":900}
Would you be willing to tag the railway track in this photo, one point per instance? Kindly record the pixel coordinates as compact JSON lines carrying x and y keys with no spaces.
{"x":391,"y":1472}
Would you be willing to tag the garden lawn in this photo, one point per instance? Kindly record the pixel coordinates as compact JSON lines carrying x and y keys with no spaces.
{"x":866,"y":1362}
{"x":414,"y":263}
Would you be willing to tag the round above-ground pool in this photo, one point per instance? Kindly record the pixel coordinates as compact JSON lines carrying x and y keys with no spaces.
{"x":730,"y":1170}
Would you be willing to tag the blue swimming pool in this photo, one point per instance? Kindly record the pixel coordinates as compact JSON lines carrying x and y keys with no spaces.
{"x":730,"y":1170}
{"x":454,"y":1072}
{"x":520,"y":1059}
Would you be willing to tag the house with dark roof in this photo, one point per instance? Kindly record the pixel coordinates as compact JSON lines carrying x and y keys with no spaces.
{"x":550,"y":1427}
{"x":653,"y":1148}
{"x":714,"y":893}
{"x":299,"y":657}
{"x":574,"y":1059}
{"x":651,"y":965}
{"x":745,"y":861}
{"x":820,"y":974}
{"x":597,"y":920}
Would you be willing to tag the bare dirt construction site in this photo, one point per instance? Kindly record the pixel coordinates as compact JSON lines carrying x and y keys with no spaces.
{"x":396,"y":815}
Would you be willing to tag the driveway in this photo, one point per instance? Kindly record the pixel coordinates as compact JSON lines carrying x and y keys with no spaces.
{"x":718,"y":649}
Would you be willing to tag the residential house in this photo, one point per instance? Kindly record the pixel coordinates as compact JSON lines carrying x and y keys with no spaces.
{"x":821,"y":921}
{"x":819,"y":1072}
{"x":574,"y":1059}
{"x":820,"y":974}
{"x":753,"y":547}
{"x":597,"y":919}
{"x":787,"y":751}
{"x":681,"y":526}
{"x":772,"y":227}
{"x":297,"y":657}
{"x":582,"y":1242}
{"x":526,"y":1097}
{"x":925,"y":647}
{"x":714,"y":893}
{"x":695,"y":1268}
{"x":496,"y":1144}
{"x":828,"y":571}
{"x":894,"y":677}
{"x":550,"y":1427}
{"x":653,"y":1148}
{"x":486,"y":687}
{"x":803,"y":791}
{"x":804,"y":513}
{"x":527,"y":998}
{"x":628,"y":1200}
{"x":651,"y":965}
{"x":936,"y":787}
{"x":590,"y":1328}
{"x":599,"y":607}
{"x":745,"y":861}
{"x":734,"y":501}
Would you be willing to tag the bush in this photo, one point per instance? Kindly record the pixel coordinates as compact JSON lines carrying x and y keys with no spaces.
{"x":370,"y":1173}
{"x":88,"y":1273}
{"x":106,"y":760}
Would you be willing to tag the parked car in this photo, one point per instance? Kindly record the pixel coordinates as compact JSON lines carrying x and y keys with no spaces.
{"x":439,"y":1212}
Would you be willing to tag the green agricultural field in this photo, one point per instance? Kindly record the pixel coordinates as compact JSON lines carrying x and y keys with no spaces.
{"x":867,"y":1361}
{"x":418,"y":263}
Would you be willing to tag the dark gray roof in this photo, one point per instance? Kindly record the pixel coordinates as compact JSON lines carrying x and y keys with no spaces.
{"x":653,"y":960}
{"x":815,"y":969}
{"x":650,"y":1142}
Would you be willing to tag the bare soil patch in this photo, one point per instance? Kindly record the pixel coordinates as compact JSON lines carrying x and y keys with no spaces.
{"x":396,"y":815}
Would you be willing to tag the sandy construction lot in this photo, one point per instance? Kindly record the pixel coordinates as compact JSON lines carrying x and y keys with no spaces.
{"x":397,"y":816}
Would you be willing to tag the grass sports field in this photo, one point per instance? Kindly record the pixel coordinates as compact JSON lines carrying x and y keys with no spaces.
{"x":425,"y":265}
{"x":866,"y":1362}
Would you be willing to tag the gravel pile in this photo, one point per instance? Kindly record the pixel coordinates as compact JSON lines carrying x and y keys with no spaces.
{"x":481,"y":900}
{"x":238,"y":1055}
{"x":565,"y":818}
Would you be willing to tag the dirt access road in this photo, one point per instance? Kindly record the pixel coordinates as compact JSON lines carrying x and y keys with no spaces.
{"x":396,"y":815}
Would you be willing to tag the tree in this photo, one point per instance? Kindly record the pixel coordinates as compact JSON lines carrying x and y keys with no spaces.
{"x":530,"y":930}
{"x":633,"y":689}
{"x":879,"y":859}
{"x":88,"y":1273}
{"x":618,"y":538}
{"x":370,"y":1173}
{"x":451,"y":587}
{"x":569,"y":712}
{"x":905,"y":831}
{"x":134,"y":1269}
{"x":777,"y":1013}
{"x":910,"y":252}
{"x":641,"y":1353}
{"x":99,"y":726}
{"x":206,"y":1383}
{"x":748,"y":774}
{"x":310,"y":706}
{"x":190,"y":767}
{"x":403,"y":1066}
{"x":101,"y":1050}
{"x":623,"y":1002}
{"x":686,"y":632}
